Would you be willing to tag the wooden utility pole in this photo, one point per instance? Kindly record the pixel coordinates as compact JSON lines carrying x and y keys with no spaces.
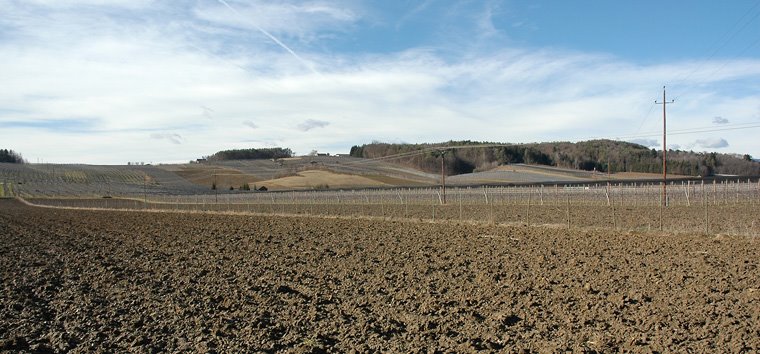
{"x":664,"y":103}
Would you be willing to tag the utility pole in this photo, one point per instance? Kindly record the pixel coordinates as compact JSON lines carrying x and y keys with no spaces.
{"x":664,"y":103}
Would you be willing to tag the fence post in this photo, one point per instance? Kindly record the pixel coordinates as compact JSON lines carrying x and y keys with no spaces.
{"x":703,"y":192}
{"x":490,"y":210}
{"x":382,"y":205}
{"x":620,"y":187}
{"x":607,"y":193}
{"x":568,"y":210}
{"x":688,"y":184}
{"x":459,"y":192}
{"x":614,"y":222}
{"x":402,"y":202}
{"x":749,"y":191}
{"x":433,"y":206}
{"x":737,"y":191}
{"x":662,"y":202}
{"x":527,"y":211}
{"x":715,"y":192}
{"x":707,"y":211}
{"x":725,"y":192}
{"x":541,"y":194}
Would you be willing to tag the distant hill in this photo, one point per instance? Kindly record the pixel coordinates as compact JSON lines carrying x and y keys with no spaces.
{"x":599,"y":155}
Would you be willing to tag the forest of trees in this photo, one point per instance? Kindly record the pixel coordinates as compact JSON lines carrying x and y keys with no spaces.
{"x":10,"y":156}
{"x":251,"y":154}
{"x":600,"y":155}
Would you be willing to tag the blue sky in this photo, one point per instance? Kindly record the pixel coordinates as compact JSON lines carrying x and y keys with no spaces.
{"x":106,"y":82}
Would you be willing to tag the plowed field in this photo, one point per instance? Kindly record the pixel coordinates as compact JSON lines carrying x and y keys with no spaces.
{"x":117,"y":281}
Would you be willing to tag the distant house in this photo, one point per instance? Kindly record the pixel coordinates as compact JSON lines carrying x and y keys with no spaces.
{"x":323,"y":154}
{"x":263,"y":189}
{"x":200,"y":160}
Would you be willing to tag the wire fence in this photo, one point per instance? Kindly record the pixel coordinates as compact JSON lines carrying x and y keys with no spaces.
{"x":691,"y":206}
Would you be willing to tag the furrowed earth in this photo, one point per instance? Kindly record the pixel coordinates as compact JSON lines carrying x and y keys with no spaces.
{"x":117,"y":281}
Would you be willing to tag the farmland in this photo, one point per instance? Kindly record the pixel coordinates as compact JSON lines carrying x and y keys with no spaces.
{"x":147,"y":258}
{"x":714,"y":207}
{"x":177,"y":281}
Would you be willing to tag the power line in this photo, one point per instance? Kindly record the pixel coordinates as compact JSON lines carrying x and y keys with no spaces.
{"x":651,"y":108}
{"x":731,"y":34}
{"x":689,"y":131}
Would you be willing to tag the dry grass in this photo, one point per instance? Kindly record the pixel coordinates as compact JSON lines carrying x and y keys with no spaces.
{"x":641,"y":175}
{"x":313,"y":178}
{"x":207,"y":175}
{"x":395,"y":181}
{"x":543,"y":172}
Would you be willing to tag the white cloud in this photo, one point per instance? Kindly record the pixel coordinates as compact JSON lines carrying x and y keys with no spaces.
{"x":297,"y":19}
{"x":130,"y":4}
{"x":144,"y":82}
{"x":208,"y":113}
{"x":720,"y":120}
{"x":646,"y":142}
{"x":310,"y":124}
{"x":171,"y":137}
{"x":711,"y":143}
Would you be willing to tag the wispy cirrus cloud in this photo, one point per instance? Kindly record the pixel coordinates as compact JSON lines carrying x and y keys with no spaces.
{"x":302,"y":20}
{"x":67,"y":125}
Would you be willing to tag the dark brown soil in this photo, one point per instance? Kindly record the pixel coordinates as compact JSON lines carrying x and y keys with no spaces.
{"x":115,"y":281}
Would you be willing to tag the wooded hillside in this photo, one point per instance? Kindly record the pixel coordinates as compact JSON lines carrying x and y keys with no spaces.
{"x":251,"y":154}
{"x":602,"y":155}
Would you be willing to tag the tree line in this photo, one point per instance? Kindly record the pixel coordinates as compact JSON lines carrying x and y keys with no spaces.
{"x":600,"y":155}
{"x":251,"y":154}
{"x":10,"y":156}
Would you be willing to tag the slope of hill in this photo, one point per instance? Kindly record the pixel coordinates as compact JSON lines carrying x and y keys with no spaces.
{"x":383,"y":165}
{"x":271,"y":173}
{"x":595,"y":155}
{"x":197,"y":178}
{"x":530,"y":174}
